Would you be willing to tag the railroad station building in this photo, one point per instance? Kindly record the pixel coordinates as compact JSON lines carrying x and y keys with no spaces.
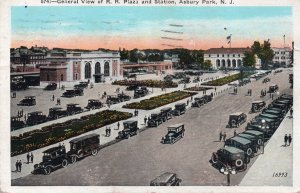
{"x":71,"y":66}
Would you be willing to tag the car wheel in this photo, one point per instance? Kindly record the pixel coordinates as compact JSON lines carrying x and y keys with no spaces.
{"x":56,"y":116}
{"x":47,"y":170}
{"x":73,"y":159}
{"x":64,"y":163}
{"x":239,"y":163}
{"x":94,"y":152}
{"x":93,"y":107}
{"x":249,"y":152}
{"x":214,"y":158}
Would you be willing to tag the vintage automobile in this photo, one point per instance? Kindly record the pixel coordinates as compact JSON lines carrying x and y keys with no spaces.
{"x":18,"y":85}
{"x":257,"y":106}
{"x":208,"y":98}
{"x":130,"y":129}
{"x":198,"y":102}
{"x":84,"y":146}
{"x":232,"y":157}
{"x":244,"y":144}
{"x":73,"y":109}
{"x":94,"y":104}
{"x":140,"y":92}
{"x":166,"y":179}
{"x":124,"y":97}
{"x":256,"y":142}
{"x":196,"y":79}
{"x":270,"y":116}
{"x":244,"y":81}
{"x":265,"y":80}
{"x":271,"y":123}
{"x":51,"y":86}
{"x":258,"y":127}
{"x":175,"y":132}
{"x":81,"y":85}
{"x":273,"y":88}
{"x":132,"y":87}
{"x":180,"y":109}
{"x":112,"y":99}
{"x":73,"y":93}
{"x":28,"y":101}
{"x":282,"y":111}
{"x":155,"y":120}
{"x":286,"y":97}
{"x":284,"y":107}
{"x":16,"y":123}
{"x":271,"y":111}
{"x":56,"y":112}
{"x":289,"y":103}
{"x":236,"y":119}
{"x":53,"y":158}
{"x":258,"y":134}
{"x":166,"y":113}
{"x":168,"y":78}
{"x":35,"y":118}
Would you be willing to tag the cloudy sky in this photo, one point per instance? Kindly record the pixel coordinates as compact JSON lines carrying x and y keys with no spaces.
{"x":142,"y":27}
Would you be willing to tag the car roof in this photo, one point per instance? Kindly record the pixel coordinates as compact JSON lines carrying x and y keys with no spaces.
{"x":269,"y":115}
{"x":175,"y":125}
{"x":72,"y":104}
{"x":165,"y":108}
{"x":55,"y":108}
{"x":93,"y":100}
{"x":84,"y":137}
{"x":129,"y":122}
{"x":155,"y":113}
{"x":35,"y":112}
{"x":273,"y":85}
{"x":246,"y":135}
{"x":163,"y":178}
{"x":237,"y":113}
{"x":179,"y":104}
{"x":254,"y":132}
{"x":50,"y":150}
{"x":257,"y":101}
{"x":241,"y":140}
{"x":233,"y":149}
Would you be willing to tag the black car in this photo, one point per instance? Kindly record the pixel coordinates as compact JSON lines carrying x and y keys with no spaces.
{"x":244,"y":81}
{"x":56,"y":112}
{"x":166,"y":179}
{"x":130,"y":129}
{"x":180,"y":109}
{"x":22,"y":85}
{"x":230,"y":156}
{"x":283,"y":107}
{"x":84,"y":146}
{"x":140,"y":92}
{"x":132,"y":87}
{"x":166,"y":113}
{"x":207,"y":98}
{"x":236,"y":119}
{"x":258,"y":134}
{"x":198,"y":102}
{"x":185,"y":80}
{"x":112,"y":99}
{"x":124,"y":97}
{"x":270,"y":122}
{"x":72,"y":93}
{"x":286,"y":97}
{"x":51,"y":86}
{"x":94,"y":104}
{"x":16,"y":123}
{"x":28,"y":101}
{"x":257,"y":106}
{"x":244,"y":144}
{"x":271,"y":111}
{"x":289,"y":103}
{"x":273,"y":88}
{"x":155,"y":120}
{"x":258,"y":127}
{"x":175,"y":132}
{"x":270,"y":116}
{"x":53,"y":158}
{"x":265,"y":80}
{"x":256,"y":142}
{"x":73,"y":109}
{"x":35,"y":118}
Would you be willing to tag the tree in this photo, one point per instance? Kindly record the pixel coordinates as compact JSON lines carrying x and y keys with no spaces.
{"x":249,"y":59}
{"x":263,"y":51}
{"x":206,"y":65}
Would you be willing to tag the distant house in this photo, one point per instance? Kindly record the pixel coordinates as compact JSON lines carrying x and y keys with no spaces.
{"x":282,"y":55}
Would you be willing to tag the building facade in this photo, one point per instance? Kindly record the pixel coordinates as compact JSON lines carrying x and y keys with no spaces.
{"x":225,"y":57}
{"x":72,"y":66}
{"x":282,"y":55}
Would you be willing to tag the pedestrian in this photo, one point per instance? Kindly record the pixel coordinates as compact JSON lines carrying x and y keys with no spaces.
{"x":18,"y":113}
{"x":291,"y":112}
{"x":215,"y":89}
{"x":17,"y":165}
{"x":118,"y":125}
{"x":250,"y":92}
{"x":220,"y":136}
{"x":191,"y":97}
{"x":137,"y":112}
{"x":145,"y":120}
{"x":224,"y":136}
{"x":28,"y":157}
{"x":106,"y":131}
{"x":187,"y":102}
{"x":234,"y":133}
{"x":285,"y":139}
{"x":265,"y":92}
{"x":272,"y":96}
{"x":53,"y":97}
{"x":261,"y":93}
{"x":22,"y":112}
{"x":25,"y":117}
{"x":57,"y":101}
{"x":31,"y":157}
{"x":20,"y":165}
{"x":109,"y":131}
{"x":290,"y":139}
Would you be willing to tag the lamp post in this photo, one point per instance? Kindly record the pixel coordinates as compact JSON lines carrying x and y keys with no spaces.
{"x":228,"y":171}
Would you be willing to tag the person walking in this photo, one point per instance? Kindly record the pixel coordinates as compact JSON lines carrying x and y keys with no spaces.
{"x":291,"y":112}
{"x":290,"y":139}
{"x":109,"y":131}
{"x":17,"y":165}
{"x":234,"y":133}
{"x":145,"y":120}
{"x":31,"y":157}
{"x":20,"y":166}
{"x":272,"y":96}
{"x":28,"y":157}
{"x":106,"y":131}
{"x":25,"y":117}
{"x":285,"y":139}
{"x":224,"y":136}
{"x":250,"y":92}
{"x":220,"y":136}
{"x":53,"y":97}
{"x":118,"y":125}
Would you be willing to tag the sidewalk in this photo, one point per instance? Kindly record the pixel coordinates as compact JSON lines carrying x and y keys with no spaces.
{"x":27,"y":168}
{"x":276,"y":159}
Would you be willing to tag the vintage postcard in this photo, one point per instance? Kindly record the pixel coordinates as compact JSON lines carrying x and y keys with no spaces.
{"x":125,"y":95}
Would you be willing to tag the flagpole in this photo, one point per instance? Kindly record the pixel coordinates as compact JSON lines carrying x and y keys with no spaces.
{"x":283,"y":41}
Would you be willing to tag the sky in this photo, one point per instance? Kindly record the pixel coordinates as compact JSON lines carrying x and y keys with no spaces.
{"x":143,"y":27}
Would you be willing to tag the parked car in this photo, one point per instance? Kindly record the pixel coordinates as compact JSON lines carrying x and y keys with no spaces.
{"x":256,"y":142}
{"x":265,"y":80}
{"x":244,"y":81}
{"x":284,"y":107}
{"x":112,"y":99}
{"x":273,"y":88}
{"x":175,"y":132}
{"x":28,"y":101}
{"x":35,"y":118}
{"x":140,"y":92}
{"x":236,"y":119}
{"x":257,"y":106}
{"x":244,"y":144}
{"x":73,"y":109}
{"x":155,"y":120}
{"x":132,"y":87}
{"x":53,"y":158}
{"x":94,"y":104}
{"x":166,"y":179}
{"x":130,"y":129}
{"x":16,"y":123}
{"x":258,"y":127}
{"x":258,"y":134}
{"x":180,"y":109}
{"x":230,"y":156}
{"x":207,"y":98}
{"x":286,"y":97}
{"x":198,"y":102}
{"x":84,"y":146}
{"x":22,"y":85}
{"x":289,"y":103}
{"x":271,"y":123}
{"x":69,"y":93}
{"x":124,"y":97}
{"x":56,"y":112}
{"x":51,"y":86}
{"x":270,"y":116}
{"x":271,"y":111}
{"x":166,"y":113}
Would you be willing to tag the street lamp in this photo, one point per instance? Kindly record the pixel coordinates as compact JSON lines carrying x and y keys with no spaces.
{"x":228,"y":171}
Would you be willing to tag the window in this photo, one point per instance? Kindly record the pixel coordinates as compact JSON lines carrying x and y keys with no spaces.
{"x":228,"y":55}
{"x":87,"y":71}
{"x":106,"y":69}
{"x":48,"y":77}
{"x":217,"y":55}
{"x":208,"y":55}
{"x":222,"y":55}
{"x":233,"y":55}
{"x":61,"y":77}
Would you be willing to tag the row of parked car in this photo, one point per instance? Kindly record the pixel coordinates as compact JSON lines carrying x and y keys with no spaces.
{"x":238,"y":150}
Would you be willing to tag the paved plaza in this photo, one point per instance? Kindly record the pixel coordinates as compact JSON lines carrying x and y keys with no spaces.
{"x":142,"y":158}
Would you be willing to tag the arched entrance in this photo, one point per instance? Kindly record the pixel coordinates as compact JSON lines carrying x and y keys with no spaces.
{"x":228,"y":63}
{"x":106,"y":69}
{"x":234,"y":63}
{"x":97,"y":68}
{"x":223,"y":63}
{"x":218,"y":63}
{"x":239,"y":62}
{"x":87,"y":71}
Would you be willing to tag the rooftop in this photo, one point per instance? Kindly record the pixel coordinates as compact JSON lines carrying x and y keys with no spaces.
{"x":226,"y":50}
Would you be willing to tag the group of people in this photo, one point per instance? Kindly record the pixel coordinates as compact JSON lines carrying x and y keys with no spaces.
{"x":19,"y":166}
{"x":20,"y":113}
{"x":249,"y":93}
{"x":287,"y":140}
{"x":222,"y":136}
{"x":136,"y":112}
{"x":107,"y":131}
{"x":235,"y":90}
{"x":263,"y":93}
{"x":29,"y":158}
